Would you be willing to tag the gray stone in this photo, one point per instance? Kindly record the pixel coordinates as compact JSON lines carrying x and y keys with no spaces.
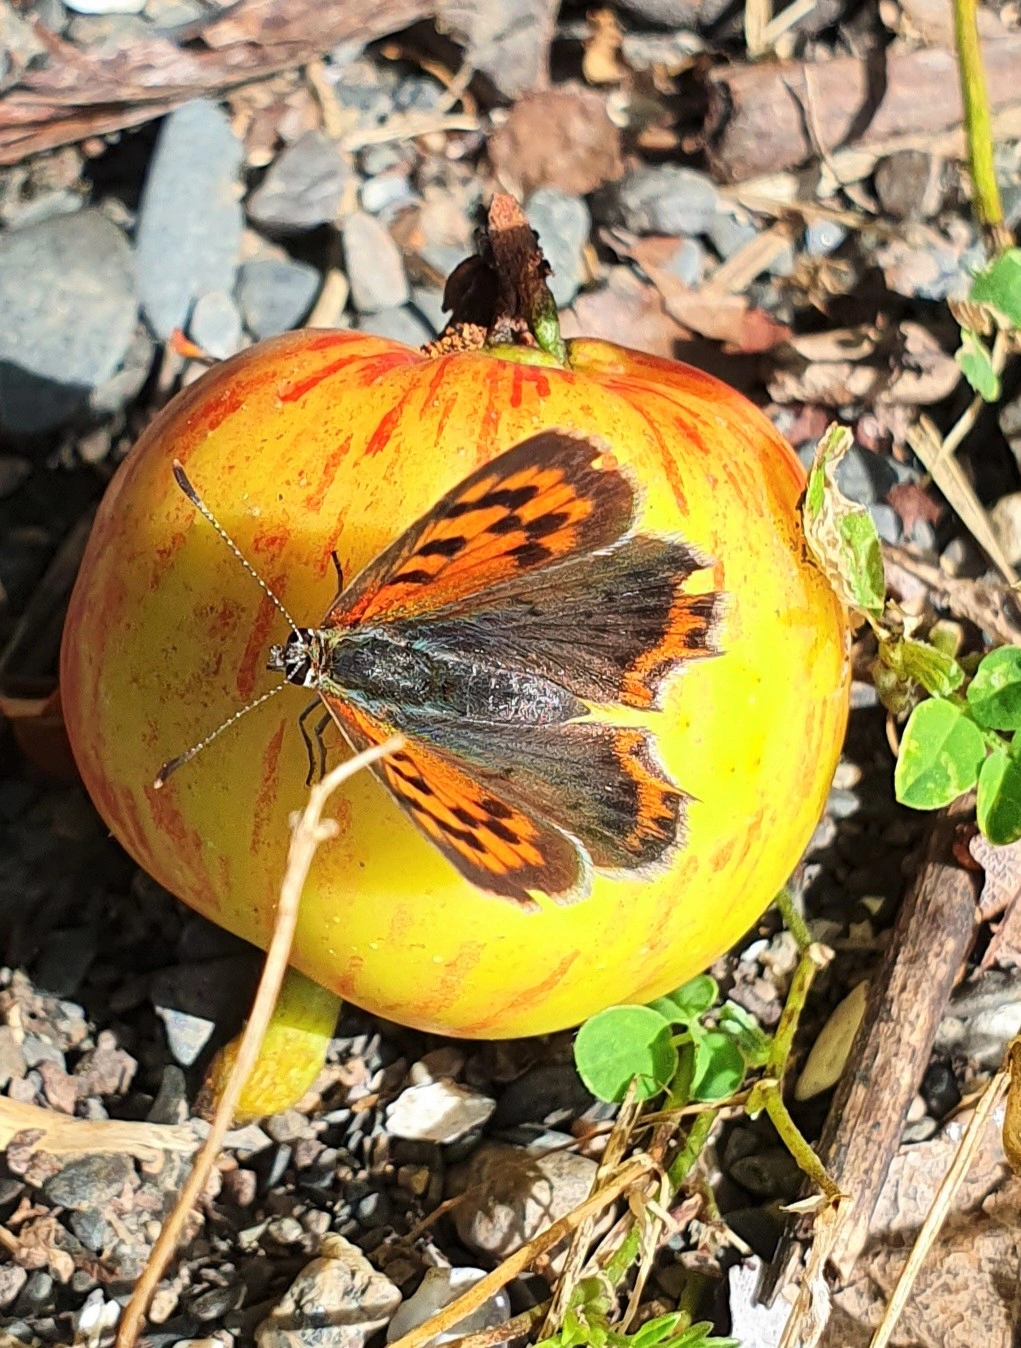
{"x":92,"y":1229}
{"x":887,"y":522}
{"x":908,"y":184}
{"x":190,"y":219}
{"x":666,"y":13}
{"x":771,"y":1173}
{"x":864,"y":477}
{"x":374,"y":265}
{"x":688,"y":262}
{"x":124,"y":385}
{"x":551,"y":1089}
{"x":386,"y":192}
{"x":730,"y":231}
{"x":563,"y":225}
{"x":215,"y":324}
{"x":90,"y":1182}
{"x":12,"y":1279}
{"x":823,"y":236}
{"x":399,"y":325}
{"x":304,"y":187}
{"x":666,"y":199}
{"x":511,"y":1194}
{"x":509,"y":41}
{"x":67,"y":314}
{"x":187,"y":1035}
{"x":336,"y":1301}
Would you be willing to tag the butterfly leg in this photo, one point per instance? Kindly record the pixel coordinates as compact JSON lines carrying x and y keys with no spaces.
{"x":340,"y":572}
{"x":315,"y":741}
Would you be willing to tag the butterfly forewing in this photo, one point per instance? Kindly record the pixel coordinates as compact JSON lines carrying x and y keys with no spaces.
{"x":542,"y":501}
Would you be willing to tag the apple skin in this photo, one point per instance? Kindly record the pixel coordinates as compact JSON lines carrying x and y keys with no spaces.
{"x":316,"y":441}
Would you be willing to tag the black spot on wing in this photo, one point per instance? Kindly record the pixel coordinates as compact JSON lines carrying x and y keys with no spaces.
{"x":531,"y":553}
{"x":506,"y":498}
{"x":442,"y":547}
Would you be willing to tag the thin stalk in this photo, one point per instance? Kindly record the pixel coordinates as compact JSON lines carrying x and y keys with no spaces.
{"x":978,"y":124}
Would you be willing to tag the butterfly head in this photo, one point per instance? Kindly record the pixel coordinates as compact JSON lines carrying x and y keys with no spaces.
{"x":303,"y":659}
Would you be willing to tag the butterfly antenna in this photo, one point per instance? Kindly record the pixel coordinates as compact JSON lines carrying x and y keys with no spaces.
{"x":168,"y":768}
{"x":181,"y":478}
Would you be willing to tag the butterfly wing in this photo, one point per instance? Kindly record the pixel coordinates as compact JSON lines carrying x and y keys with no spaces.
{"x":552,"y":496}
{"x":503,"y":848}
{"x":608,"y":627}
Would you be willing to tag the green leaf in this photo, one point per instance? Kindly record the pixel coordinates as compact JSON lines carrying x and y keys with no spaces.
{"x":994,"y":694}
{"x":1000,"y":286}
{"x":840,"y":534}
{"x":701,"y":1336}
{"x":976,"y":362}
{"x":938,"y":673}
{"x":719,"y":1066}
{"x":746,"y":1033}
{"x":620,"y":1044}
{"x":999,"y":798}
{"x":941,"y":752}
{"x":689,"y":1001}
{"x":656,"y":1330}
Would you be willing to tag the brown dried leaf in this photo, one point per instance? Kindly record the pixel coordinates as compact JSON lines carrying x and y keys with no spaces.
{"x":723,"y":318}
{"x":560,"y":137}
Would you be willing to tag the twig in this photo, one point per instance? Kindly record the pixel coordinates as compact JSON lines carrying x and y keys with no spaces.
{"x":479,"y":1293}
{"x":948,"y":475}
{"x":60,"y":1134}
{"x":757,"y":15}
{"x":309,"y":831}
{"x":940,"y":1207}
{"x":992,"y":608}
{"x":409,"y":127}
{"x":977,"y":124}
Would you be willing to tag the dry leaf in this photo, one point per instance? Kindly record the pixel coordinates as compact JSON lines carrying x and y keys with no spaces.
{"x":906,"y":367}
{"x":561,"y":137}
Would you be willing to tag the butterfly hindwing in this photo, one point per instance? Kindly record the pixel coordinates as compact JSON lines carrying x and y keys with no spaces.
{"x":539,"y":502}
{"x":501,"y":848}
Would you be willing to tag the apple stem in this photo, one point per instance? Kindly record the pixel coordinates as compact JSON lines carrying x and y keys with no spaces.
{"x":499,"y":297}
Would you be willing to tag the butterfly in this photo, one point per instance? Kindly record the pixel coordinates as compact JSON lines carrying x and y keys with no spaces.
{"x":486,"y":635}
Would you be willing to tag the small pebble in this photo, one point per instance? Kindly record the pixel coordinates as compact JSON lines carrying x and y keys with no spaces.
{"x":373,"y":264}
{"x":190,"y":220}
{"x":438,"y":1289}
{"x":276,"y":294}
{"x":666,"y":199}
{"x":729,"y":232}
{"x":399,"y":325}
{"x":940,"y":1089}
{"x":304,"y":187}
{"x":439,"y":1111}
{"x":340,"y":1298}
{"x":215,"y":325}
{"x":887,"y":522}
{"x":563,"y":225}
{"x":824,"y":236}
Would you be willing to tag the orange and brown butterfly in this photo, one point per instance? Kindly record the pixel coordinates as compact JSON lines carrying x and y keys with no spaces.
{"x":485,"y":635}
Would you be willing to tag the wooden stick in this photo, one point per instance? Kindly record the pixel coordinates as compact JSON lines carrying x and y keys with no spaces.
{"x":309,"y":831}
{"x":907,"y":998}
{"x":756,"y":121}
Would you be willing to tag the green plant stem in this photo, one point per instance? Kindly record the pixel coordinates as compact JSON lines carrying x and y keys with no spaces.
{"x":978,"y":123}
{"x":794,"y":1140}
{"x":812,"y":960}
{"x":698,"y":1136}
{"x":793,"y":920}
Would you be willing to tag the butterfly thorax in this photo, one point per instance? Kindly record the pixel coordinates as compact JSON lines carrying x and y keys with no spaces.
{"x":407,"y":675}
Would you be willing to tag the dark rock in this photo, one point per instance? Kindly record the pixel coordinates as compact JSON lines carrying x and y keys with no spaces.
{"x":908,"y":184}
{"x":864,"y":477}
{"x":940,"y":1090}
{"x":93,"y":1230}
{"x":12,"y":1279}
{"x":544,"y":1094}
{"x":887,"y":522}
{"x":89,"y":1182}
{"x":305,"y":187}
{"x":65,"y":959}
{"x":190,"y":218}
{"x":67,"y":315}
